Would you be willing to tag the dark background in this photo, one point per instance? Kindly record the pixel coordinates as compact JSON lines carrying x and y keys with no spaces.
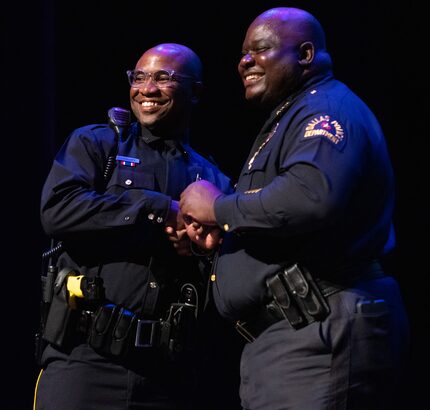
{"x":63,"y":66}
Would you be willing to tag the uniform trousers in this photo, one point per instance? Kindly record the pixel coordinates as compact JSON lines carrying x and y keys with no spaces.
{"x":353,"y":360}
{"x":86,"y":380}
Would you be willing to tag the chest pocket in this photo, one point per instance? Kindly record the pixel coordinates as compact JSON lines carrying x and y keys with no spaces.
{"x":256,"y":176}
{"x":132,"y":178}
{"x":259,"y":163}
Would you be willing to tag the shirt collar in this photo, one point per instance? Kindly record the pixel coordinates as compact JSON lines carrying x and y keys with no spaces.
{"x":311,"y":83}
{"x":156,"y":141}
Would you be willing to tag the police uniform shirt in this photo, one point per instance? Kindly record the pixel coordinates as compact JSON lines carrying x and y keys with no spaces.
{"x":317,"y":189}
{"x":114,"y":228}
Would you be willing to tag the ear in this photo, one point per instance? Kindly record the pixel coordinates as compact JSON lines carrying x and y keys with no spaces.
{"x":306,"y":53}
{"x":197,"y":90}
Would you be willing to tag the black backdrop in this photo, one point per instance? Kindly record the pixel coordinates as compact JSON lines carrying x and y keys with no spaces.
{"x":63,"y":66}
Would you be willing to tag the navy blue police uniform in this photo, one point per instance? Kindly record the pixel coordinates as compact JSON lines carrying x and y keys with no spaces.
{"x":113,"y":229}
{"x":315,"y":194}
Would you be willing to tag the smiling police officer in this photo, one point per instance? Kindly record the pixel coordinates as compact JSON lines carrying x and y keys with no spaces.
{"x":111,"y":216}
{"x":298,"y":268}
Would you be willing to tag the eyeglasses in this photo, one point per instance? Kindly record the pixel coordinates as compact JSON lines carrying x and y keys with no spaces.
{"x":162,"y":78}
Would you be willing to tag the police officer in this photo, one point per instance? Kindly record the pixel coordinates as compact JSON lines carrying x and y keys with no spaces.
{"x":112,"y":219}
{"x":298,"y":270}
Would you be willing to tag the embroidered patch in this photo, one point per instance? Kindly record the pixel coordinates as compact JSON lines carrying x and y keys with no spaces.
{"x":324,"y":126}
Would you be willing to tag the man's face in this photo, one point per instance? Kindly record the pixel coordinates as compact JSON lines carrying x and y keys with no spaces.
{"x":159,"y":105}
{"x":269,"y":67}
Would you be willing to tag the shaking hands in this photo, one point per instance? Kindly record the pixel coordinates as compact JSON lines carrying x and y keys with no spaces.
{"x":193,"y":218}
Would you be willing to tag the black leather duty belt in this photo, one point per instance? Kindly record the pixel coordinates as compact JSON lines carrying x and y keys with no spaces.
{"x":295,"y":297}
{"x":116,"y":331}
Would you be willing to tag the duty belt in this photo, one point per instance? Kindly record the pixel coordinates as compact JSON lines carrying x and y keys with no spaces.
{"x":296,"y":297}
{"x":116,"y":331}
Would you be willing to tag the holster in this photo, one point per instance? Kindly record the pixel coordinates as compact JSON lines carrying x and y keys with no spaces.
{"x":61,"y":320}
{"x":297,"y":297}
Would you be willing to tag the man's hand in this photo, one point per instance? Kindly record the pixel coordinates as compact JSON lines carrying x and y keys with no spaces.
{"x":174,"y":217}
{"x":180,"y":240}
{"x":176,"y":231}
{"x":197,"y":202}
{"x":205,"y":237}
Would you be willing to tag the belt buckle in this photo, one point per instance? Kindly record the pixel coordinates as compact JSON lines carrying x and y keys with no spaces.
{"x":146,"y":333}
{"x":240,"y":327}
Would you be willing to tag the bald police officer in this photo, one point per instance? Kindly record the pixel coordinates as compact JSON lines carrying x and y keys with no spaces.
{"x":298,"y":271}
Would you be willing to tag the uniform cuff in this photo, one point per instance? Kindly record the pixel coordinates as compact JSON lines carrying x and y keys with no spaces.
{"x":223,"y":209}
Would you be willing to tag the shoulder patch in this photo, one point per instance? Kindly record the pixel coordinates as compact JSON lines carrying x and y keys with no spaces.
{"x":326,"y":127}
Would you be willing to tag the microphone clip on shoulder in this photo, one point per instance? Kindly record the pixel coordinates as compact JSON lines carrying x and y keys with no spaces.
{"x":119,"y":120}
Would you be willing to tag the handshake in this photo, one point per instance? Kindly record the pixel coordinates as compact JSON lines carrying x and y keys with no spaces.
{"x":192,"y":219}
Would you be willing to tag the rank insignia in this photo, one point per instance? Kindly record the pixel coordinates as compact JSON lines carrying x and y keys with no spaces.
{"x":127,"y":161}
{"x":324,"y":126}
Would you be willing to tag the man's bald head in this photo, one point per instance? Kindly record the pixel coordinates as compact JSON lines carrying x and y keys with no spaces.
{"x":283,"y":49}
{"x":186,"y":58}
{"x":293,"y":23}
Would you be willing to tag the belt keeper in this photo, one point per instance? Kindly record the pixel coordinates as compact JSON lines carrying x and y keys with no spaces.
{"x":147,"y":333}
